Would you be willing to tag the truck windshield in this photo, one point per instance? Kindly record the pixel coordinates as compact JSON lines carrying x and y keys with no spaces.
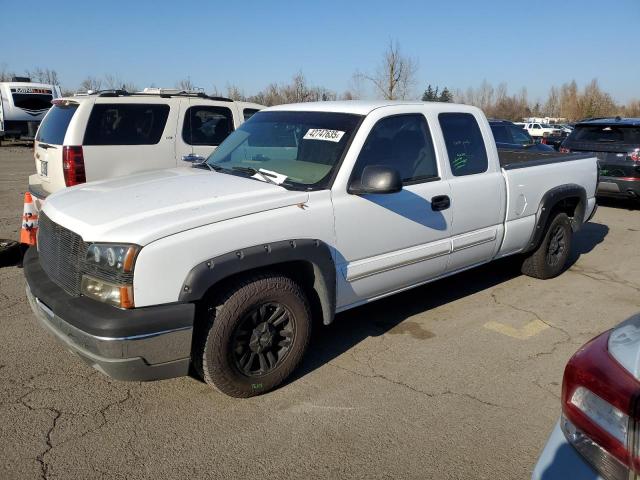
{"x":306,"y":147}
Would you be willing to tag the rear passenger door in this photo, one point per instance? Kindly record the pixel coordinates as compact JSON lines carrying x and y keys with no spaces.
{"x":127,"y":136}
{"x":204,"y":126}
{"x":477,"y":190}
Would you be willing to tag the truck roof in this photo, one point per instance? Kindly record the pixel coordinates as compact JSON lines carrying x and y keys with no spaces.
{"x":358,"y":107}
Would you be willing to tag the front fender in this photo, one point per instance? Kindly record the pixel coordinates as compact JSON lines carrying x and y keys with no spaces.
{"x":315,"y":252}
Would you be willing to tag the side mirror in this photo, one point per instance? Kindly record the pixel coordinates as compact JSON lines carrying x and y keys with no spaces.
{"x":377,"y":179}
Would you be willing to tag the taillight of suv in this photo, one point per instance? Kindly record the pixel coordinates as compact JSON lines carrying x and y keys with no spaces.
{"x":635,"y":155}
{"x":73,"y":166}
{"x":599,"y":417}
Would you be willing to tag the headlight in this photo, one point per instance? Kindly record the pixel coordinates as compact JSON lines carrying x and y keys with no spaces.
{"x":108,"y":273}
{"x":111,"y":257}
{"x":116,"y":295}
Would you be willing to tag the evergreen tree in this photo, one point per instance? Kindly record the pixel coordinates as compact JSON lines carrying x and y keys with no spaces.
{"x":429,"y":95}
{"x":445,"y":96}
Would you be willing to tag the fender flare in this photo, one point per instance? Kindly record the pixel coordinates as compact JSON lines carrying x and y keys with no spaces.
{"x":315,"y":252}
{"x":549,"y":201}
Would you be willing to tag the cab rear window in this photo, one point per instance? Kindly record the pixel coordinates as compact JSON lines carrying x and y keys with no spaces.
{"x":54,"y":125}
{"x":126,"y":124}
{"x":465,"y":146}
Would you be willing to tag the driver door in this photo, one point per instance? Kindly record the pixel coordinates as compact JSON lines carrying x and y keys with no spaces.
{"x":390,"y":241}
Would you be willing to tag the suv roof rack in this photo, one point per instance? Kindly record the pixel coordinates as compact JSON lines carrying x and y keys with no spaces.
{"x":156,"y":92}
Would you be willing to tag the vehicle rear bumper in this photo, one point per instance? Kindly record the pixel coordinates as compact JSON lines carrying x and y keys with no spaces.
{"x":161,"y":352}
{"x":627,"y":187}
{"x":37,"y":191}
{"x":559,"y":460}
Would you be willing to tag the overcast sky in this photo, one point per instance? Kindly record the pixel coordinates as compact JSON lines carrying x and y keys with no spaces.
{"x":458,"y":43}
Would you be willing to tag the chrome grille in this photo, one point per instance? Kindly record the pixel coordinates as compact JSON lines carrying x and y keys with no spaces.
{"x":61,"y":253}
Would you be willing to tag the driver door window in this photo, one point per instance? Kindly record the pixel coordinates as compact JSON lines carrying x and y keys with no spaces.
{"x":404,"y":143}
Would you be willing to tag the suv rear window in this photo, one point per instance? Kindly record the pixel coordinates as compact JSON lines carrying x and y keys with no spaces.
{"x":54,"y":126}
{"x":126,"y":124}
{"x":206,"y":125}
{"x":607,"y":134}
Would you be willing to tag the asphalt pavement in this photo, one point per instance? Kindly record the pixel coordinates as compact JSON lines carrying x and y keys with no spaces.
{"x":457,"y":379}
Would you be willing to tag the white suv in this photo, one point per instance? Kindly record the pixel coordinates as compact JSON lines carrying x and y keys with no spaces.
{"x":115,"y":133}
{"x":541,"y":129}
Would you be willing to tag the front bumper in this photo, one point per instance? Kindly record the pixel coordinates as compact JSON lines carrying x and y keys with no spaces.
{"x":627,"y":187}
{"x":560,"y":461}
{"x":139,"y":344}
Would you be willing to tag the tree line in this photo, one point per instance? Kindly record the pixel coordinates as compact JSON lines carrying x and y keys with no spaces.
{"x":395,"y":78}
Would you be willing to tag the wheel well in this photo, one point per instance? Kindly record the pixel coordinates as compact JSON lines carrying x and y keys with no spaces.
{"x":300,"y":271}
{"x":569,"y":206}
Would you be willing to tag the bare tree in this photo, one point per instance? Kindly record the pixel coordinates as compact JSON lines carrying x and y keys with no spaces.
{"x":395,"y":77}
{"x":91,"y":83}
{"x":186,"y":85}
{"x":43,"y":75}
{"x":632,"y":109}
{"x":594,"y":102}
{"x":116,"y":83}
{"x":235,"y":93}
{"x":569,"y":100}
{"x":552,"y":105}
{"x":295,"y":92}
{"x":5,"y":74}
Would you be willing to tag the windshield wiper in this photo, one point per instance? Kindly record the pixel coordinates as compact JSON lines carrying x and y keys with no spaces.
{"x":202,"y":165}
{"x":253,"y":171}
{"x":213,"y":168}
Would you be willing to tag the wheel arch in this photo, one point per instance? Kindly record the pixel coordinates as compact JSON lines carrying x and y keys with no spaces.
{"x":570,"y":199}
{"x":307,"y":261}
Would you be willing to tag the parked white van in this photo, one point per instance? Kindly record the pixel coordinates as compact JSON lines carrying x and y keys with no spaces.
{"x":23,"y":104}
{"x":114,"y":133}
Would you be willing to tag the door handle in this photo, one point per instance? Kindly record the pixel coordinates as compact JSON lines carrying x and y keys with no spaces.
{"x":192,"y":158}
{"x":440,"y":202}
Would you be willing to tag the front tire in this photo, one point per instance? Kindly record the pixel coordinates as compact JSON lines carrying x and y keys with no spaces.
{"x":256,"y":336}
{"x":550,"y":258}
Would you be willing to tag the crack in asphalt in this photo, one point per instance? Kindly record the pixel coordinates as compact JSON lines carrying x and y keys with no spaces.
{"x":44,"y":465}
{"x":415,"y":390}
{"x":537,"y":384}
{"x":608,"y":277}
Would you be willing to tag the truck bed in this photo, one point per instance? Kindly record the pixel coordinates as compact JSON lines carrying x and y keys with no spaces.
{"x":512,"y":159}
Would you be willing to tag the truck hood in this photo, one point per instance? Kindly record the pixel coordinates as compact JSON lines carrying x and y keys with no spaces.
{"x":145,"y":207}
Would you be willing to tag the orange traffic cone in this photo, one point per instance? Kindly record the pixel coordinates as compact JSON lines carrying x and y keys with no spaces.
{"x":29,"y":221}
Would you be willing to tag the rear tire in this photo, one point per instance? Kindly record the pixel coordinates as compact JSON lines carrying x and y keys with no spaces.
{"x":255,"y":337}
{"x":550,"y":258}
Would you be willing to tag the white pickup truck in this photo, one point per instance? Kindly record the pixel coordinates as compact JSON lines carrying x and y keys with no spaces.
{"x":305,"y":211}
{"x":113,"y":133}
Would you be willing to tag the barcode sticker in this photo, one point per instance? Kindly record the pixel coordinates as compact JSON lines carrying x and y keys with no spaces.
{"x":323,"y":134}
